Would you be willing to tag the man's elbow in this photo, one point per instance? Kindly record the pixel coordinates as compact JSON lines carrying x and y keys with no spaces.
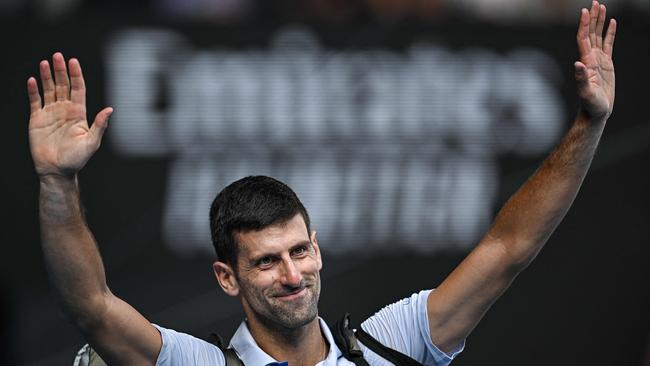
{"x":514,"y":254}
{"x":89,"y":313}
{"x":519,"y":253}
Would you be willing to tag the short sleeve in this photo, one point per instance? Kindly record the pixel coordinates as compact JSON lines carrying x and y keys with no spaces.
{"x":404,"y":326}
{"x":180,"y":349}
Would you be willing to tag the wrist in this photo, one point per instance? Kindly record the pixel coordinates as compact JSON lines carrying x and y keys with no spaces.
{"x":598,"y":120}
{"x":57,"y":179}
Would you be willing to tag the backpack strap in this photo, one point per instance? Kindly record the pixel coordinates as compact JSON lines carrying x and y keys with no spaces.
{"x":394,"y":356}
{"x":228,"y":353}
{"x":87,"y":356}
{"x":348,"y":342}
{"x":231,"y":357}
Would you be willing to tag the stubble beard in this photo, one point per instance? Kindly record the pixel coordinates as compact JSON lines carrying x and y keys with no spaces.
{"x":297,"y":313}
{"x":276,"y":313}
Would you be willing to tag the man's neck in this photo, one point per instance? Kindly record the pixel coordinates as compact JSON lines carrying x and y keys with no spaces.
{"x":304,"y":346}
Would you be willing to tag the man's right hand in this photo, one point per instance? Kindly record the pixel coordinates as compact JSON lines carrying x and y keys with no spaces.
{"x":61,"y":143}
{"x":60,"y":139}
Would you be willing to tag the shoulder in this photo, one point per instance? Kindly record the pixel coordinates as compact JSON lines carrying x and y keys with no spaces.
{"x":409,"y":312}
{"x":404,"y":326}
{"x":183,"y":349}
{"x":403,"y":313}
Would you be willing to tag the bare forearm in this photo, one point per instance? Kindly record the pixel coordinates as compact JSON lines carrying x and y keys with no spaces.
{"x":528,"y":219}
{"x":71,"y":255}
{"x":531,"y":215}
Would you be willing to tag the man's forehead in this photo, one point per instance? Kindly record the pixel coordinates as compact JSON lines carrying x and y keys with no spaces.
{"x":273,"y":237}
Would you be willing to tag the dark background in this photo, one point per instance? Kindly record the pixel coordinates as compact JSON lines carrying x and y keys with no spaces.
{"x":584,"y":301}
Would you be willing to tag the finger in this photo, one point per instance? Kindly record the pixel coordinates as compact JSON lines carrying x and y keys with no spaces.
{"x":600,"y":25}
{"x":34,"y":96}
{"x":584,"y":45}
{"x":61,"y":77}
{"x":48,"y":83}
{"x":608,"y":44}
{"x":78,"y":87}
{"x":593,"y":15}
{"x":100,"y":124}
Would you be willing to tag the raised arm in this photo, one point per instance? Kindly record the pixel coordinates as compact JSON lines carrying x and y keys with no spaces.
{"x":525,"y":223}
{"x":61,"y":142}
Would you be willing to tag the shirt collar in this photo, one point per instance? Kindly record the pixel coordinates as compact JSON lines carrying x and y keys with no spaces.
{"x":251,"y":354}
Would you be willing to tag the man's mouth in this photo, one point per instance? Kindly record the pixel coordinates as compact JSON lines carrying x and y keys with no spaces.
{"x":290,"y":295}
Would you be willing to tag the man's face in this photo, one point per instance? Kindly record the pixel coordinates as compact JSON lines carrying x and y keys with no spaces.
{"x":278,"y":274}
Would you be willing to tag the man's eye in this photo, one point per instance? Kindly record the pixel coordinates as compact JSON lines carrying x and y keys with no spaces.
{"x":299,"y":250}
{"x":265,"y":261}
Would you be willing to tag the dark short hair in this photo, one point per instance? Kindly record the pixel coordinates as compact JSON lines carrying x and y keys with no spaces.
{"x":251,"y":203}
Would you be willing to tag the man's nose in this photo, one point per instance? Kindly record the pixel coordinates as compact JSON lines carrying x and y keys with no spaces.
{"x":291,"y":276}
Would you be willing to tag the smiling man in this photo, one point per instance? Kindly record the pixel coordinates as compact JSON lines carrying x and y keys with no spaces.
{"x":270,"y":259}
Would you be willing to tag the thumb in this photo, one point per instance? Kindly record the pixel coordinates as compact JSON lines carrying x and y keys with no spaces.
{"x":581,"y":72}
{"x":100,"y":124}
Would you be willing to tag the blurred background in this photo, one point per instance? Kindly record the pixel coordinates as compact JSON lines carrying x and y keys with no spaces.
{"x":402,"y":125}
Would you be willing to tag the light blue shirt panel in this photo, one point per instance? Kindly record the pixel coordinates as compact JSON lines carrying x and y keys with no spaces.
{"x":402,"y":326}
{"x":183,"y":349}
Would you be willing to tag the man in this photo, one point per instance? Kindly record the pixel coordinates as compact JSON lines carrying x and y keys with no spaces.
{"x":269,"y":258}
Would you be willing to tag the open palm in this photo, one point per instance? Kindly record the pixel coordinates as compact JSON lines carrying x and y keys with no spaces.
{"x":61,"y":141}
{"x":595,"y":70}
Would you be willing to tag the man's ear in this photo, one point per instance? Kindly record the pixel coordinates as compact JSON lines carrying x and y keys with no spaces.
{"x":314,"y":243}
{"x":226,"y":277}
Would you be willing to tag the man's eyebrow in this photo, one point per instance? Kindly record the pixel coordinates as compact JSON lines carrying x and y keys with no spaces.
{"x":299,"y":244}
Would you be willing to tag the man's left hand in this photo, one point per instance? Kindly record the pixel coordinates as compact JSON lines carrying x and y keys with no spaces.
{"x":594,"y":71}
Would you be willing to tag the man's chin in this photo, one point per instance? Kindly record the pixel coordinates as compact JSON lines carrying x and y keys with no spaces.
{"x":300,"y":322}
{"x":292,"y":319}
